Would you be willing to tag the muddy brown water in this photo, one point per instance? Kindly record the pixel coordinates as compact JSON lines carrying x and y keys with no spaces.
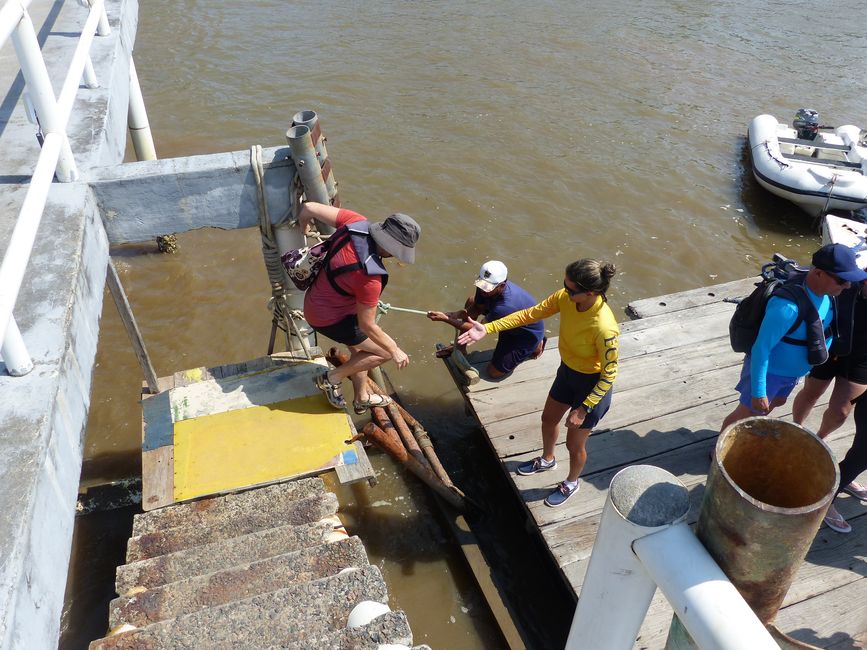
{"x":535,"y":133}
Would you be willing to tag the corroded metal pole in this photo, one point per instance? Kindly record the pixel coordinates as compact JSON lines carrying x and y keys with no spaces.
{"x":311,"y":120}
{"x":391,"y":445}
{"x":768,"y":488}
{"x":308,"y":167}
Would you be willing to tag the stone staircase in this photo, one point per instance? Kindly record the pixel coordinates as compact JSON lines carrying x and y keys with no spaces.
{"x":271,"y":567}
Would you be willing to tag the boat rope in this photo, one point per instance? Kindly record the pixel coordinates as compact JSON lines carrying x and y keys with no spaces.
{"x":282,"y":317}
{"x":782,"y":163}
{"x":824,"y":211}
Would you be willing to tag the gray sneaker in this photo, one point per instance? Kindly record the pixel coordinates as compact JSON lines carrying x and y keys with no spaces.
{"x":560,"y":494}
{"x":535,"y":466}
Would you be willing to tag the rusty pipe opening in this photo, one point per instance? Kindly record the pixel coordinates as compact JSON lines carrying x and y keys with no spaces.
{"x":777,"y":465}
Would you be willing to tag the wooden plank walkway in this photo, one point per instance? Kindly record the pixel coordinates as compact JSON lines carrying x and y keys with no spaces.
{"x":675,"y":386}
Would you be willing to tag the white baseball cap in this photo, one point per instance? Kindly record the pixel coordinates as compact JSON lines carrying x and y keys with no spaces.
{"x":491,"y":274}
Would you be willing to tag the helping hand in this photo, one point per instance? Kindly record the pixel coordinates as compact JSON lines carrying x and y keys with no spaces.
{"x":438,"y":316}
{"x":475,"y":333}
{"x":760,"y":405}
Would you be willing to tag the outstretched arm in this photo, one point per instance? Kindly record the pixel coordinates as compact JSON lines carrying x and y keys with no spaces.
{"x":311,"y":210}
{"x":476,"y":333}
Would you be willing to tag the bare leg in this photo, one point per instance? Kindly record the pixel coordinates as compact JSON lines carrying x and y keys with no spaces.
{"x":739,"y":413}
{"x":806,"y":399}
{"x":840,"y":405}
{"x":363,"y":357}
{"x":576,"y":440}
{"x":551,"y":416}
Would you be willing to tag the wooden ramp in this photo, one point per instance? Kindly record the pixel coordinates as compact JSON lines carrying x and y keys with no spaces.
{"x":675,"y":386}
{"x":214,"y":430}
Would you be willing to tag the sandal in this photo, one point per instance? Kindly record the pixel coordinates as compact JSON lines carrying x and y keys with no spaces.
{"x":835,"y":521}
{"x":445,"y":352}
{"x":373,"y":401}
{"x":332,"y":391}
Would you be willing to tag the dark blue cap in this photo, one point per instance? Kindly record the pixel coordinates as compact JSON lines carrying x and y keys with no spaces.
{"x":839,"y":260}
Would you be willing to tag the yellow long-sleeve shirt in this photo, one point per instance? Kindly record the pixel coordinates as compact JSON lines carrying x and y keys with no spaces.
{"x":588,"y":339}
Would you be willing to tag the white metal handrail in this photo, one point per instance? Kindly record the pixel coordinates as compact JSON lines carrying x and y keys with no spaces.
{"x":54,"y":158}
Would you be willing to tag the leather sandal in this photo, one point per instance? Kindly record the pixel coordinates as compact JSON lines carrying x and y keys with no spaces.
{"x":333,"y":392}
{"x":373,"y":401}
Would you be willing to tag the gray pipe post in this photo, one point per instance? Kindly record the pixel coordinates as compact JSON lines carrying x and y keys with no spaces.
{"x":311,"y":120}
{"x":307,"y":165}
{"x":768,"y":488}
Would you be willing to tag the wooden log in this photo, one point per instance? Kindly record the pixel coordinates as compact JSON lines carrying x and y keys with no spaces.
{"x":131,"y":327}
{"x":390,"y":444}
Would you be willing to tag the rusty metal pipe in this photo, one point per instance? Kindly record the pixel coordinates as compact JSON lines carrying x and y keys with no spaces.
{"x":390,"y":444}
{"x":768,"y":489}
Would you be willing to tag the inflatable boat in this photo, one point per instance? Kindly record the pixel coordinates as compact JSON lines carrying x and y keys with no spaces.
{"x":838,"y":230}
{"x":818,"y":168}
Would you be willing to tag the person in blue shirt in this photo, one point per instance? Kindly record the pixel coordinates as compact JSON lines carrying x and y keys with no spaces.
{"x":496,"y":296}
{"x":774,"y":366}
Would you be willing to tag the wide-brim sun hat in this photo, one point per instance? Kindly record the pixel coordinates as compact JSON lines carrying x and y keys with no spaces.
{"x":397,"y":236}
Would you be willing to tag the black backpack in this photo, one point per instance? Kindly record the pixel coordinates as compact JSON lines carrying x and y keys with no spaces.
{"x":785,"y":279}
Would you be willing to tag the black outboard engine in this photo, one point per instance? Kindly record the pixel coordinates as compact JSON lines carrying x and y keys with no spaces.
{"x":806,"y":123}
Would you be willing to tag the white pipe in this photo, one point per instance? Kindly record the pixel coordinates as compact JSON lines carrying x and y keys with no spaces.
{"x":79,"y":59}
{"x":14,"y":352}
{"x":710,"y":608}
{"x":21,"y":241}
{"x":10,"y":16}
{"x":137,"y":119}
{"x":42,"y":94}
{"x":103,"y":29}
{"x":90,"y":80}
{"x":617,"y":590}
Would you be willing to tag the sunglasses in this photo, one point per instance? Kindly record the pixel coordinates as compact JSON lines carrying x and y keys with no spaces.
{"x":840,"y":281}
{"x":575,"y":292}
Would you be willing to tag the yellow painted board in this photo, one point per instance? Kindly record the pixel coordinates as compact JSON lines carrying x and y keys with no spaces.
{"x":215,"y":453}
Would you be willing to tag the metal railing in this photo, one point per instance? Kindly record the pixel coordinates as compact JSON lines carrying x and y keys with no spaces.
{"x":55,"y":158}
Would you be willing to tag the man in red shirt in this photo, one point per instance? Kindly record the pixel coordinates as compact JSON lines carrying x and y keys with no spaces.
{"x":341,"y":304}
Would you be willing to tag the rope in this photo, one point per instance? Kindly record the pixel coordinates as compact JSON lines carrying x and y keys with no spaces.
{"x":281,"y":318}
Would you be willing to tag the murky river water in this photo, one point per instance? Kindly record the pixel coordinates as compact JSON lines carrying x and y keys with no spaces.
{"x":536,"y":133}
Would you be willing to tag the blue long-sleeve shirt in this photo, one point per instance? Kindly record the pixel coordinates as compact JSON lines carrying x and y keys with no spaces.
{"x":770,"y":354}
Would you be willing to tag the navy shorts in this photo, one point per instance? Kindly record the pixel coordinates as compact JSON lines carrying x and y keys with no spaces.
{"x":853,"y":368}
{"x":572,"y":387}
{"x":508,"y":354}
{"x":777,"y":386}
{"x":344,"y":331}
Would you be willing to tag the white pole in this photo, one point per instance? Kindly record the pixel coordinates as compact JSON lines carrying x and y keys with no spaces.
{"x":42,"y":94}
{"x":14,"y":351}
{"x":103,"y":29}
{"x":617,"y":590}
{"x":90,"y":80}
{"x":78,"y":63}
{"x":710,"y":608}
{"x":10,"y":16}
{"x":24,"y":234}
{"x":137,"y":118}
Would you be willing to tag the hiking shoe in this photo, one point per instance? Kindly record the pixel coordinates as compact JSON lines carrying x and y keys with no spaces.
{"x":332,"y":391}
{"x":834,"y":520}
{"x":560,"y":494}
{"x":856,"y":490}
{"x":538,"y":464}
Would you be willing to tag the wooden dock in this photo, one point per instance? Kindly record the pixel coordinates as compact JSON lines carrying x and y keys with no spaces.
{"x":675,"y":386}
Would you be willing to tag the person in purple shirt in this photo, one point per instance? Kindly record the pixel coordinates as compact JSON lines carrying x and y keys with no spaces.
{"x":495,"y":297}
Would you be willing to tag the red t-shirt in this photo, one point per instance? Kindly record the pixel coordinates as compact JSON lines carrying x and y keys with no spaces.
{"x":323,"y":306}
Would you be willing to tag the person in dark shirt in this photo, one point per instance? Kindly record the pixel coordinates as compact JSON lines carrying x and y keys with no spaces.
{"x":495,"y":298}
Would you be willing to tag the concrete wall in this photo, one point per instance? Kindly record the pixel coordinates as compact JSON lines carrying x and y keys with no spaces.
{"x":43,"y":415}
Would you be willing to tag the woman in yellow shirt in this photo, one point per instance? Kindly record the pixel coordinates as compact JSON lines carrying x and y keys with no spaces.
{"x":588,"y":367}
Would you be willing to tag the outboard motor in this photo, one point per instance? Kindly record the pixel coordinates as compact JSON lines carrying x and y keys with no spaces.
{"x":806,"y":123}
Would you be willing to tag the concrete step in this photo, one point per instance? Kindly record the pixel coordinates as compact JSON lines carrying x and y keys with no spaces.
{"x":390,"y":628}
{"x":237,"y":505}
{"x":215,"y":556}
{"x":236,"y":583}
{"x":229,"y":524}
{"x":267,"y":620}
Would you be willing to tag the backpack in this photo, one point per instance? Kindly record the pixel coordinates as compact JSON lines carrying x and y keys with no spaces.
{"x":303,"y":264}
{"x":780,"y":278}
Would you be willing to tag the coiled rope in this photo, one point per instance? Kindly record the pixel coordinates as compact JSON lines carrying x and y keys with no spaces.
{"x":282,"y":317}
